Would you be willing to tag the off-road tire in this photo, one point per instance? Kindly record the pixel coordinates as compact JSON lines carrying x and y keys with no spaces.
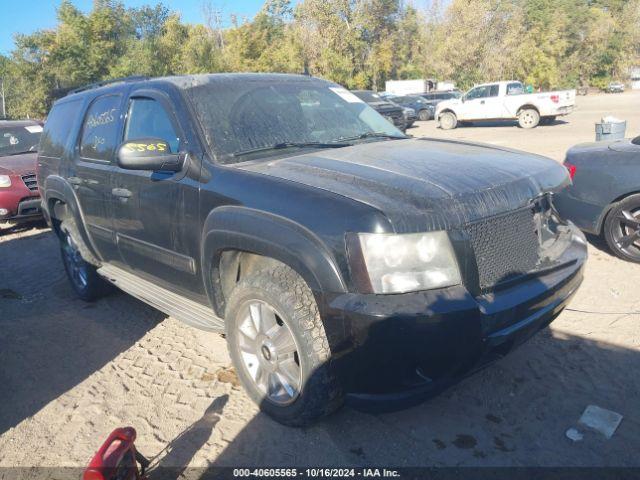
{"x":613,"y":228}
{"x":283,"y":289}
{"x":448,"y":121}
{"x":528,"y":118}
{"x":95,"y":287}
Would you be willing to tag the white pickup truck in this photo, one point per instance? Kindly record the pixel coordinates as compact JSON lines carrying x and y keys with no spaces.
{"x":505,"y":101}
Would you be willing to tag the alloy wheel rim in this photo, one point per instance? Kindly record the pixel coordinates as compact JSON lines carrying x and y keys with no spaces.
{"x":269,"y":352}
{"x":75,"y":263}
{"x":627,"y":233}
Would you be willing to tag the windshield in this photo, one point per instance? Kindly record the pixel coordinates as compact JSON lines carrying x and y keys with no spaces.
{"x":257,"y":115}
{"x":367,"y":96}
{"x":19,"y":139}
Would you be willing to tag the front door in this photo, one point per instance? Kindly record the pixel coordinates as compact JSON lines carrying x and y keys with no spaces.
{"x":481,"y":103}
{"x":90,"y":174}
{"x":153,"y":210}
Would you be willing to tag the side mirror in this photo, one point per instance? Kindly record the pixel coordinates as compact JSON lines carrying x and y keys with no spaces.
{"x":149,"y":154}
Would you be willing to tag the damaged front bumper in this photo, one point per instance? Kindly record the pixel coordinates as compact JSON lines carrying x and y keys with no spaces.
{"x":404,"y":348}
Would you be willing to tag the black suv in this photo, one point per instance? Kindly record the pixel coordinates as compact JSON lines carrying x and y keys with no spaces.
{"x":434,"y":98}
{"x":341,"y":258}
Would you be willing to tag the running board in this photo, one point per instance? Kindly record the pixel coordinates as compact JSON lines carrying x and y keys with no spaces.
{"x":183,"y":309}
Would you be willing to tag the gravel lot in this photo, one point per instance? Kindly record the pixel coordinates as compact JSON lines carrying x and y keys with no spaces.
{"x":70,"y":372}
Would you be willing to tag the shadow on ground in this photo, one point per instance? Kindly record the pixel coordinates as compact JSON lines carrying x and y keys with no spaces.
{"x":50,"y":341}
{"x":505,"y":124}
{"x":8,"y":229}
{"x":514,"y":413}
{"x":183,"y":448}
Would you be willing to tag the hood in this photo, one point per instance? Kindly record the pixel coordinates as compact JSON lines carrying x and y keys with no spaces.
{"x":18,"y":164}
{"x":424,"y":184}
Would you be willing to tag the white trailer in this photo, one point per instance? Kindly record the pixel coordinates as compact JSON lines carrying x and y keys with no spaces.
{"x":409,"y":87}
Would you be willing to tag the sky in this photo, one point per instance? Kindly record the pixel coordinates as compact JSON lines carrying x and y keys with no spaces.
{"x":27,"y":16}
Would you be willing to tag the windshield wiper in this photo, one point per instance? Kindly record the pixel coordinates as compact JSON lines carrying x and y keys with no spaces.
{"x":279,"y":146}
{"x":373,"y":135}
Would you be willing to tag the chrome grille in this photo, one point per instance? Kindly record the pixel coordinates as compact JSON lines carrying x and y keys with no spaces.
{"x":505,"y":246}
{"x":30,"y":181}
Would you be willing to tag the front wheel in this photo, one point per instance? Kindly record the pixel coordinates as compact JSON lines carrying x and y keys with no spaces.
{"x":622,"y":229}
{"x":279,"y":347}
{"x":448,"y":121}
{"x":424,"y":115}
{"x":528,"y":118}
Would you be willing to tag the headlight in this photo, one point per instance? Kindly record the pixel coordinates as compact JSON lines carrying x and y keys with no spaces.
{"x":408,"y":262}
{"x":5,"y":181}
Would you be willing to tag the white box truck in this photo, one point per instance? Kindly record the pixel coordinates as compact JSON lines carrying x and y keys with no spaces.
{"x":409,"y":87}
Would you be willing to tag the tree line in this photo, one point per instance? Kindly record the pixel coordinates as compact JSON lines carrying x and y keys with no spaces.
{"x":357,"y":43}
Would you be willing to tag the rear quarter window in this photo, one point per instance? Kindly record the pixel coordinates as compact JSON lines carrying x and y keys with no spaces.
{"x":59,"y":128}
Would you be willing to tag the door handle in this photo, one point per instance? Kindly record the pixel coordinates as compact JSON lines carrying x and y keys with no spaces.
{"x":482,"y":102}
{"x":121,"y":192}
{"x":75,"y":181}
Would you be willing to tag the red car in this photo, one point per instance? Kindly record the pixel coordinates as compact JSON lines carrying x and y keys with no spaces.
{"x":19,"y":195}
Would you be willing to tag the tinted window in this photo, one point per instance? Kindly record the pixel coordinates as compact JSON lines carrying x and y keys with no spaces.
{"x":147,"y":118}
{"x":19,"y":139}
{"x":58,"y":128}
{"x":100,"y":128}
{"x":483,"y":92}
{"x":515,"y":88}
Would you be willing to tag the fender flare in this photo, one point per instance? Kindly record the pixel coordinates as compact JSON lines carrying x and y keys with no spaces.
{"x":263,"y":233}
{"x":527,"y":106}
{"x":57,"y":188}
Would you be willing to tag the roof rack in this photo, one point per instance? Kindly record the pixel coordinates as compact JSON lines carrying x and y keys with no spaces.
{"x":91,"y":86}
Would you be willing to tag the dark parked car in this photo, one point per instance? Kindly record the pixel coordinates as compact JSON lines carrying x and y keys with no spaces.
{"x":615,"y":87}
{"x":341,"y":258}
{"x":434,"y":98}
{"x":604,"y":198}
{"x":392,"y":112}
{"x":19,"y":196}
{"x":424,"y":110}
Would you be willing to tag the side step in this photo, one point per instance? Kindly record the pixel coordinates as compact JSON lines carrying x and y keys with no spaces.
{"x":185,"y":310}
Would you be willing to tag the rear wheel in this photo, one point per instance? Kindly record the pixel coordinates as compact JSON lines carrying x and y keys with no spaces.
{"x":622,"y":229}
{"x":424,"y":115}
{"x":279,"y":347}
{"x":528,"y":118}
{"x":84,"y":279}
{"x":448,"y":121}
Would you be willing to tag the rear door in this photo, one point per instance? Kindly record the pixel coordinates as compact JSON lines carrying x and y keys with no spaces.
{"x":493,"y":105}
{"x":154,"y":210}
{"x":92,"y":167}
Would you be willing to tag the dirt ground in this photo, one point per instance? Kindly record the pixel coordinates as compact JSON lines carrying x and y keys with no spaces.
{"x":70,"y":372}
